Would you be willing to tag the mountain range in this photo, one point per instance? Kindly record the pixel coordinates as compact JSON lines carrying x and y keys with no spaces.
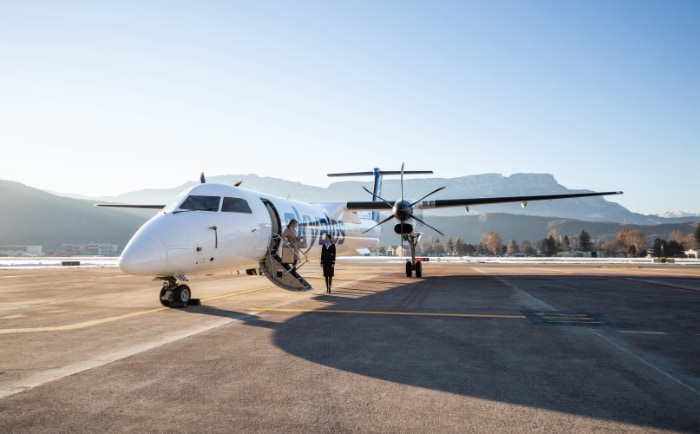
{"x":484,"y":185}
{"x":36,"y":217}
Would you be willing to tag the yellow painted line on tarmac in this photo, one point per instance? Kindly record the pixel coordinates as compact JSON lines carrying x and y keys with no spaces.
{"x":95,"y":322}
{"x":79,"y":325}
{"x":233,"y":294}
{"x":383,"y":312}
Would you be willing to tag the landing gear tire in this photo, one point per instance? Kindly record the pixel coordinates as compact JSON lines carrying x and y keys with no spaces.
{"x":409,"y":269}
{"x":183,"y":294}
{"x":419,"y":269}
{"x":174,"y":295}
{"x":164,"y":297}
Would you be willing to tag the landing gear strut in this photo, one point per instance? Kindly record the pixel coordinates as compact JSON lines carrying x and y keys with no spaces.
{"x":174,"y":294}
{"x":411,"y":265}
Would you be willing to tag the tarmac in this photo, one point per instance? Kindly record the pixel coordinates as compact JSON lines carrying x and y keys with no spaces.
{"x":468,"y":347}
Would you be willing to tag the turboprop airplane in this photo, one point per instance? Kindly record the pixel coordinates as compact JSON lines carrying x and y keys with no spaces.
{"x":214,"y":227}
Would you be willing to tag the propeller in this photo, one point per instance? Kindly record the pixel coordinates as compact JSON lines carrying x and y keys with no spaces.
{"x":403,"y":211}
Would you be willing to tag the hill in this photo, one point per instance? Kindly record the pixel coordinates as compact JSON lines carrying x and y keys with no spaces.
{"x":34,"y":217}
{"x":602,"y":209}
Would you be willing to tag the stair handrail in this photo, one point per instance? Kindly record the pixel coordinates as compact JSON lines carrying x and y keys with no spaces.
{"x":302,"y":257}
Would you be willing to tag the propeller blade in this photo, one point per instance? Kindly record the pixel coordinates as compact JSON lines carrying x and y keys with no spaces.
{"x":380,"y":198}
{"x":402,"y":180}
{"x":421,"y":221}
{"x":431,"y":193}
{"x":379,"y":224}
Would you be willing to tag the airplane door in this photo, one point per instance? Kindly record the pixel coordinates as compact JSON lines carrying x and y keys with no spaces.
{"x":276,"y":224}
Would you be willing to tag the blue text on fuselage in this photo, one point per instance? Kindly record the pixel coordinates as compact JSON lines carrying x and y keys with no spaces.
{"x":315,"y":228}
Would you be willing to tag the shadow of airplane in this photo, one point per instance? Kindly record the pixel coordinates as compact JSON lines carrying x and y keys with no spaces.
{"x":577,"y":370}
{"x":245,"y":317}
{"x":592,"y":370}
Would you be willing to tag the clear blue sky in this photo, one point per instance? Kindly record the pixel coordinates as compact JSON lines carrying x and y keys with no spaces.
{"x":101,"y":98}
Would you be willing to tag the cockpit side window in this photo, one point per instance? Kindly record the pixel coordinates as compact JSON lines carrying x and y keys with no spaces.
{"x":235,"y":204}
{"x":201,"y":203}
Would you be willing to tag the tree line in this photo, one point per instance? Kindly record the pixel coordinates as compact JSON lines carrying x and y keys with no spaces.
{"x":627,"y":243}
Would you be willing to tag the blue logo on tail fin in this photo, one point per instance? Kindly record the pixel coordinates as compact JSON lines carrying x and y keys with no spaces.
{"x":377,"y":191}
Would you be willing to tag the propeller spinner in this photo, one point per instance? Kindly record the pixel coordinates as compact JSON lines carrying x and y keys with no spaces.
{"x":403,"y":211}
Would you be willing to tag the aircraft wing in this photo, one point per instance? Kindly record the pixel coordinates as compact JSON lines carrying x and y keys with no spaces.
{"x":446,"y":203}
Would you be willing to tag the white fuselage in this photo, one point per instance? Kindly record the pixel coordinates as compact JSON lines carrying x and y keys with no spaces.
{"x":212,"y":227}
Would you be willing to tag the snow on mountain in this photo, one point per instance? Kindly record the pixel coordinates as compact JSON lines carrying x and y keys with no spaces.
{"x":677,"y":214}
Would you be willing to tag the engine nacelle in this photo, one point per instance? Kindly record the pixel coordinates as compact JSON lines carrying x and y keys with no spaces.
{"x":403,"y":228}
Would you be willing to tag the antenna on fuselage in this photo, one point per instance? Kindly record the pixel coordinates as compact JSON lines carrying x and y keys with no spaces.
{"x":201,"y":178}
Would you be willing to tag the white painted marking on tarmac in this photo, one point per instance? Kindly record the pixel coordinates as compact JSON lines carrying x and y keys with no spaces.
{"x":47,"y":376}
{"x":527,"y":297}
{"x":386,"y":312}
{"x":666,"y":284}
{"x":531,"y":302}
{"x":641,"y":332}
{"x":644,"y":362}
{"x":41,"y":378}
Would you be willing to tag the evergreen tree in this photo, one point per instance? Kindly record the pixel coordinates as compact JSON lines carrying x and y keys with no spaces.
{"x":565,"y":244}
{"x":555,"y":235}
{"x":459,"y":248}
{"x":660,"y":248}
{"x":585,"y":240}
{"x":549,"y":246}
{"x":675,"y":249}
{"x":696,"y":235}
{"x":469,"y":249}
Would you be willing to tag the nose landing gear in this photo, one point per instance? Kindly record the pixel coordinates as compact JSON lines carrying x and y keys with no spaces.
{"x":413,"y":264}
{"x":174,"y":294}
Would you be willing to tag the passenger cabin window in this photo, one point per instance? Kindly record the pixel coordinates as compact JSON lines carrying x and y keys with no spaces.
{"x":201,"y":203}
{"x":235,"y":204}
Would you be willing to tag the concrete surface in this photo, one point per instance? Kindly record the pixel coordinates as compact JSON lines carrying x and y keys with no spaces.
{"x":467,"y":348}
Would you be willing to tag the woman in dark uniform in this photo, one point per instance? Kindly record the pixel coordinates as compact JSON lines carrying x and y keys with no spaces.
{"x":328,"y":261}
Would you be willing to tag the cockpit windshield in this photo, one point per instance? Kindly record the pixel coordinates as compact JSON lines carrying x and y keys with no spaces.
{"x":201,"y":203}
{"x":235,"y":204}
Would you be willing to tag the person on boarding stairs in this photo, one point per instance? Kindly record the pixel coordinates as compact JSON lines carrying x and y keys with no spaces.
{"x":290,"y":236}
{"x":328,"y":261}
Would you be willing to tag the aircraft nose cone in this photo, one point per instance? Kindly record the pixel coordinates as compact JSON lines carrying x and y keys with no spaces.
{"x":142,"y":256}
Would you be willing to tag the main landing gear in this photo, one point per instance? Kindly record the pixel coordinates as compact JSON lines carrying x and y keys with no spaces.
{"x":174,"y":294}
{"x":411,"y":265}
{"x":415,"y":265}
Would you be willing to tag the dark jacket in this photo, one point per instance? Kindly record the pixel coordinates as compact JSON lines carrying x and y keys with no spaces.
{"x":328,"y":259}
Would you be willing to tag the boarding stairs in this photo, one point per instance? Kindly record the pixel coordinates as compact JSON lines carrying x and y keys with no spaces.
{"x":284,"y":273}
